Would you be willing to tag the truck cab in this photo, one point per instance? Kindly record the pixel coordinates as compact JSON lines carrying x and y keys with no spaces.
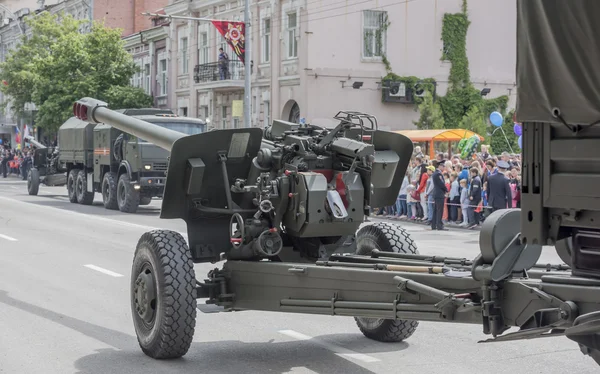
{"x":132,"y":170}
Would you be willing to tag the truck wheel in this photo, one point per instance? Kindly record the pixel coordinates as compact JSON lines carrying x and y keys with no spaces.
{"x":145,"y":200}
{"x":71,"y":182}
{"x":109,"y":191}
{"x":385,"y":237}
{"x":127,"y":197}
{"x":83,"y":197}
{"x":163,"y":300}
{"x":33,"y":181}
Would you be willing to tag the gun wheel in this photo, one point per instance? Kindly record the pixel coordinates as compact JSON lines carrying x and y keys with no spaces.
{"x":389,"y":238}
{"x":163,"y":300}
{"x":33,"y":181}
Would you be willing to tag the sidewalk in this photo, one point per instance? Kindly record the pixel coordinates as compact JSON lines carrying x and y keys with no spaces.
{"x":407,"y":220}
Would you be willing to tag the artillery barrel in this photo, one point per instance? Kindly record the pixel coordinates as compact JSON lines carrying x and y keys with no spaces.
{"x":95,"y":111}
{"x":32,"y":140}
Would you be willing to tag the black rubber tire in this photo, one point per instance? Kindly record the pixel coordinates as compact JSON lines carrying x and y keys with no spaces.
{"x":83,"y":197}
{"x":128,"y":198}
{"x":146,"y":200}
{"x":386,"y":237}
{"x":109,"y":191}
{"x":170,"y":332}
{"x":33,"y":181}
{"x":71,"y":181}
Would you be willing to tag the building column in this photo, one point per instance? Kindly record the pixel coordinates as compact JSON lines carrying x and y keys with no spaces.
{"x":193,"y":56}
{"x":275,"y":59}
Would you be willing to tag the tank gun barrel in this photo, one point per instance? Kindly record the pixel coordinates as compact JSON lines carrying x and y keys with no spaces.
{"x":32,"y":140}
{"x":96,"y":111}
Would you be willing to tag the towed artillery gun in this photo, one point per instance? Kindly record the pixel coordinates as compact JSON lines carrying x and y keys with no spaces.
{"x":284,"y":209}
{"x":127,"y":171}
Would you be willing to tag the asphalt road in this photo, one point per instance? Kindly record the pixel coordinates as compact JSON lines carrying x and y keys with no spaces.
{"x":64,"y":308}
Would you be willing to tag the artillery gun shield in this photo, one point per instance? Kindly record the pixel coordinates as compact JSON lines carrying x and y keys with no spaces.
{"x":202,"y":202}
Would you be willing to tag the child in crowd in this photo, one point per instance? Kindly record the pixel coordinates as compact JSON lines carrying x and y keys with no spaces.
{"x":411,"y":202}
{"x":454,"y":198}
{"x":464,"y":202}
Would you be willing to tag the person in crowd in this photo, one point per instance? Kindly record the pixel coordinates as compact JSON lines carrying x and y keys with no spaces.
{"x":422,"y":184}
{"x":484,"y":153}
{"x":475,"y":193}
{"x":498,"y":188}
{"x":411,"y":202}
{"x":515,"y":188}
{"x":464,"y":202}
{"x":428,"y":195}
{"x":223,"y":64}
{"x":438,"y":195}
{"x":454,"y":198}
{"x":401,"y":206}
{"x":447,"y":183}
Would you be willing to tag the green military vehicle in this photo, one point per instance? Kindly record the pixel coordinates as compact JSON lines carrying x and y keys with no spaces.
{"x":126,"y":170}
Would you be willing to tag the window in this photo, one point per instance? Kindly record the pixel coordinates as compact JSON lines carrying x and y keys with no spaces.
{"x":224,"y":117}
{"x":183,"y":111}
{"x":183,"y":47}
{"x":203,"y":58}
{"x":163,"y":79}
{"x":267,"y":113}
{"x":374,"y":34}
{"x":292,"y":50}
{"x":236,"y":123}
{"x":266,"y":47}
{"x":147,"y":79}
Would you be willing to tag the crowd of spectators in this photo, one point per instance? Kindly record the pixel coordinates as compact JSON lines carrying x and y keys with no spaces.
{"x":15,"y":162}
{"x":470,"y":191}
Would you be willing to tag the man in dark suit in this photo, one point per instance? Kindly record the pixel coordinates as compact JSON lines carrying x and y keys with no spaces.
{"x":498,"y":188}
{"x":439,"y":196}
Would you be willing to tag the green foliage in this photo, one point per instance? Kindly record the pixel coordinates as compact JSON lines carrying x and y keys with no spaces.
{"x":461,"y":96}
{"x":498,"y":143}
{"x":431,"y":114}
{"x":127,"y":97}
{"x":474,"y":121}
{"x":58,"y":65}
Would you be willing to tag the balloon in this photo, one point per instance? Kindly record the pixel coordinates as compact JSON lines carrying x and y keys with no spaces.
{"x":469,"y":147}
{"x":520,"y":141}
{"x":496,"y":119}
{"x":518,"y":130}
{"x":0,"y":141}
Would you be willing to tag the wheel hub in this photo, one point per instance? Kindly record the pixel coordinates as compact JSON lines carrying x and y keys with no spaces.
{"x":145,"y":296}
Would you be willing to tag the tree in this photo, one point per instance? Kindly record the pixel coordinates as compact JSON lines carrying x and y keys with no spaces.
{"x":474,"y":121}
{"x":59,"y":65}
{"x":431,"y":114}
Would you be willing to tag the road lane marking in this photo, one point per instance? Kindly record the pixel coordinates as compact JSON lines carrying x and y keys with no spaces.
{"x":342,"y":352}
{"x":101,"y":270}
{"x":11,"y":239}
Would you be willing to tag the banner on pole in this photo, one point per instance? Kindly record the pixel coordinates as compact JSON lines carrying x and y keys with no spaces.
{"x":234,"y":34}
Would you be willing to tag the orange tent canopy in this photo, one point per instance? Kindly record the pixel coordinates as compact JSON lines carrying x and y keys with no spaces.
{"x":434,"y":136}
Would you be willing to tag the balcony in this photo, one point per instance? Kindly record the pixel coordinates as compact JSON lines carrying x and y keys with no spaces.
{"x":211,"y":76}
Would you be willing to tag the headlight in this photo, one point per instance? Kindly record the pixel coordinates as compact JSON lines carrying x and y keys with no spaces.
{"x":147,"y":167}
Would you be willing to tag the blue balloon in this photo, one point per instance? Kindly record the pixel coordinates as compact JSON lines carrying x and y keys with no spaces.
{"x":496,"y":119}
{"x":520,"y":141}
{"x":518,"y":130}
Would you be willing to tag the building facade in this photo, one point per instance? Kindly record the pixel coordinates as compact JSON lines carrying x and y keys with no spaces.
{"x":307,"y":55}
{"x":149,"y":49}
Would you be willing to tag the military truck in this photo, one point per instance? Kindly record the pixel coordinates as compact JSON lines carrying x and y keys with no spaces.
{"x":126,"y":170}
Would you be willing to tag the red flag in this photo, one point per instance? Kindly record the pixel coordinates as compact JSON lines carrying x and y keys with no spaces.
{"x":234,"y":34}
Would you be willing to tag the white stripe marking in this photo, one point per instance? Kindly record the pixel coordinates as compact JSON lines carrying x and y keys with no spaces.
{"x":8,"y":238}
{"x":101,"y":270}
{"x":342,"y":352}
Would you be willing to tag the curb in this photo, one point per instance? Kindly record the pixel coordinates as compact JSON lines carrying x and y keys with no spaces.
{"x":448,"y":225}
